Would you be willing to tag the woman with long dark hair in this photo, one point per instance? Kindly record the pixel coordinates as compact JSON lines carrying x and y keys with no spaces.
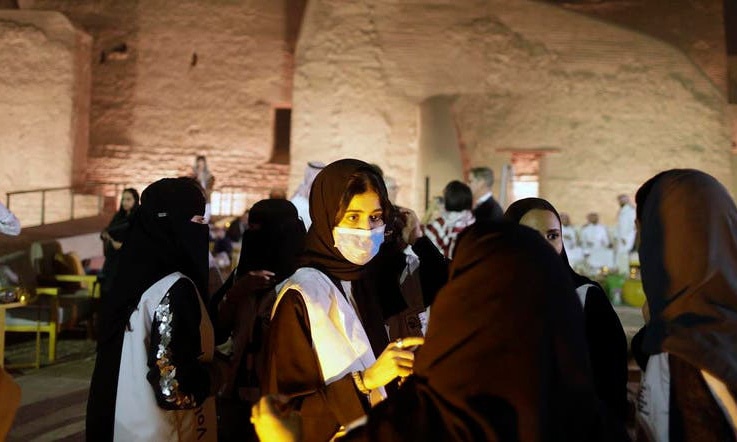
{"x":328,"y":348}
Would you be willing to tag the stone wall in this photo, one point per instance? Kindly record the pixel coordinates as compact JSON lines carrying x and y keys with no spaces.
{"x":44,"y":85}
{"x":171,"y":80}
{"x":617,"y":105}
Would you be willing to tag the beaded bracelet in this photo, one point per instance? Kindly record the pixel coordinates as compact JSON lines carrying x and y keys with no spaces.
{"x":358,"y":380}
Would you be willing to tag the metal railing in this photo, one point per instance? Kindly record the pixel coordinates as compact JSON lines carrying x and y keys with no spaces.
{"x":233,"y":201}
{"x":224,"y":201}
{"x":99,"y":189}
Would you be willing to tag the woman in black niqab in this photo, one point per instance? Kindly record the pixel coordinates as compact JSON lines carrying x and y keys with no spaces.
{"x":607,"y":342}
{"x":162,"y":239}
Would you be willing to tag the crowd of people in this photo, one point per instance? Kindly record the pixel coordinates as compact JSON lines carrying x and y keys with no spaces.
{"x":347,"y":318}
{"x":593,"y":246}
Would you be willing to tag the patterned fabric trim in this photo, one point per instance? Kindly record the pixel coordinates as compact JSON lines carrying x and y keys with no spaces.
{"x":168,"y":384}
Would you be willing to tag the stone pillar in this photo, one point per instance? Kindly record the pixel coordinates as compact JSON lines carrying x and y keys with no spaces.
{"x":439,"y":154}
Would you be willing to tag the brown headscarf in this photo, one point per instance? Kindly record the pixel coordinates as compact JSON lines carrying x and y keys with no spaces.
{"x":504,"y":356}
{"x":369,"y":284}
{"x":325,"y":198}
{"x":688,"y":256}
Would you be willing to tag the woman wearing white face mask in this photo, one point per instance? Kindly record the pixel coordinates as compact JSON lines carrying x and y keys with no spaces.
{"x":328,"y":349}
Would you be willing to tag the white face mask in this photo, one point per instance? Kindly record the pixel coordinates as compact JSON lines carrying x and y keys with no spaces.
{"x":357,"y":245}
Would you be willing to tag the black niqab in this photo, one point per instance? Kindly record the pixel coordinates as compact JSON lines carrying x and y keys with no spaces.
{"x":162,"y":239}
{"x":274,"y":241}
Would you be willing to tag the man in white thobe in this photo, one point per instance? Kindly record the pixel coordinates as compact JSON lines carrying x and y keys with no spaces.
{"x":626,"y":233}
{"x":595,"y":243}
{"x":301,"y":198}
{"x":570,"y":240}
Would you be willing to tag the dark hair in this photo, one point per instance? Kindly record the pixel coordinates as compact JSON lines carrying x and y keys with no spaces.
{"x":200,"y":157}
{"x":457,"y":196}
{"x":136,"y":199}
{"x":361,"y":182}
{"x":378,"y":169}
{"x":483,"y":173}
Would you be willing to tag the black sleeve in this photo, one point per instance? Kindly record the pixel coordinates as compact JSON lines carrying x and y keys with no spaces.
{"x":179,"y":379}
{"x":294,"y":371}
{"x":222,"y":328}
{"x":433,"y":268}
{"x":608,"y":352}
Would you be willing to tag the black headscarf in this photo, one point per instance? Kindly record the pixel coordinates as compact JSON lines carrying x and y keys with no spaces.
{"x":607,"y":342}
{"x":688,"y":260}
{"x":320,"y":251}
{"x":274,"y":241}
{"x":483,"y":376}
{"x":517,"y":210}
{"x":119,"y":225}
{"x":162,"y":239}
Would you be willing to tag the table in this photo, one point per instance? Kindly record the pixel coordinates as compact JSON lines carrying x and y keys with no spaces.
{"x":4,"y":307}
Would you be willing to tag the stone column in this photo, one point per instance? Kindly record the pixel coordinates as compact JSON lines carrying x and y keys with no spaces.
{"x":439,"y":154}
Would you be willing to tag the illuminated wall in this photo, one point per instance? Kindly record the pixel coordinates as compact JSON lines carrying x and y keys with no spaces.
{"x":171,"y":80}
{"x":618,"y":106}
{"x":44,"y":85}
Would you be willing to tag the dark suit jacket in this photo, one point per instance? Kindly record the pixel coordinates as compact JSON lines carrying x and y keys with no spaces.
{"x":488,"y":210}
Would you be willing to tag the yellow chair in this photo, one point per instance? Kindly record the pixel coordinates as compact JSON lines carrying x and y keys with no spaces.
{"x":42,"y":310}
{"x":40,"y":315}
{"x":77,"y":291}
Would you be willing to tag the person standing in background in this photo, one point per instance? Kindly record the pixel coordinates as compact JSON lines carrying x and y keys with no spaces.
{"x":202,"y":174}
{"x":114,"y":235}
{"x":9,"y":224}
{"x":301,"y":198}
{"x":481,"y":182}
{"x":570,"y":240}
{"x":593,"y":235}
{"x":626,"y":233}
{"x":444,"y":230}
{"x":9,"y":390}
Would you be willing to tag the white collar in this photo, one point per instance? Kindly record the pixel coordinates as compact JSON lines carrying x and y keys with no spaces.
{"x":485,"y":197}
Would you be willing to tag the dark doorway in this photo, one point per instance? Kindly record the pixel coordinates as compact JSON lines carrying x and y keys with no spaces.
{"x":282,"y":131}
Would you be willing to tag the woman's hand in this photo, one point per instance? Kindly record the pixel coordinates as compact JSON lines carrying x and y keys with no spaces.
{"x":397,"y":360}
{"x":116,"y":244}
{"x":273,"y":422}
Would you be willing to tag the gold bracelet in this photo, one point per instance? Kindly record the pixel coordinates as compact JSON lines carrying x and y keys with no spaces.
{"x":358,"y":380}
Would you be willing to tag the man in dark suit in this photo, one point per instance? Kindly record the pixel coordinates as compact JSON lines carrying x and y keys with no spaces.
{"x":481,"y":181}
